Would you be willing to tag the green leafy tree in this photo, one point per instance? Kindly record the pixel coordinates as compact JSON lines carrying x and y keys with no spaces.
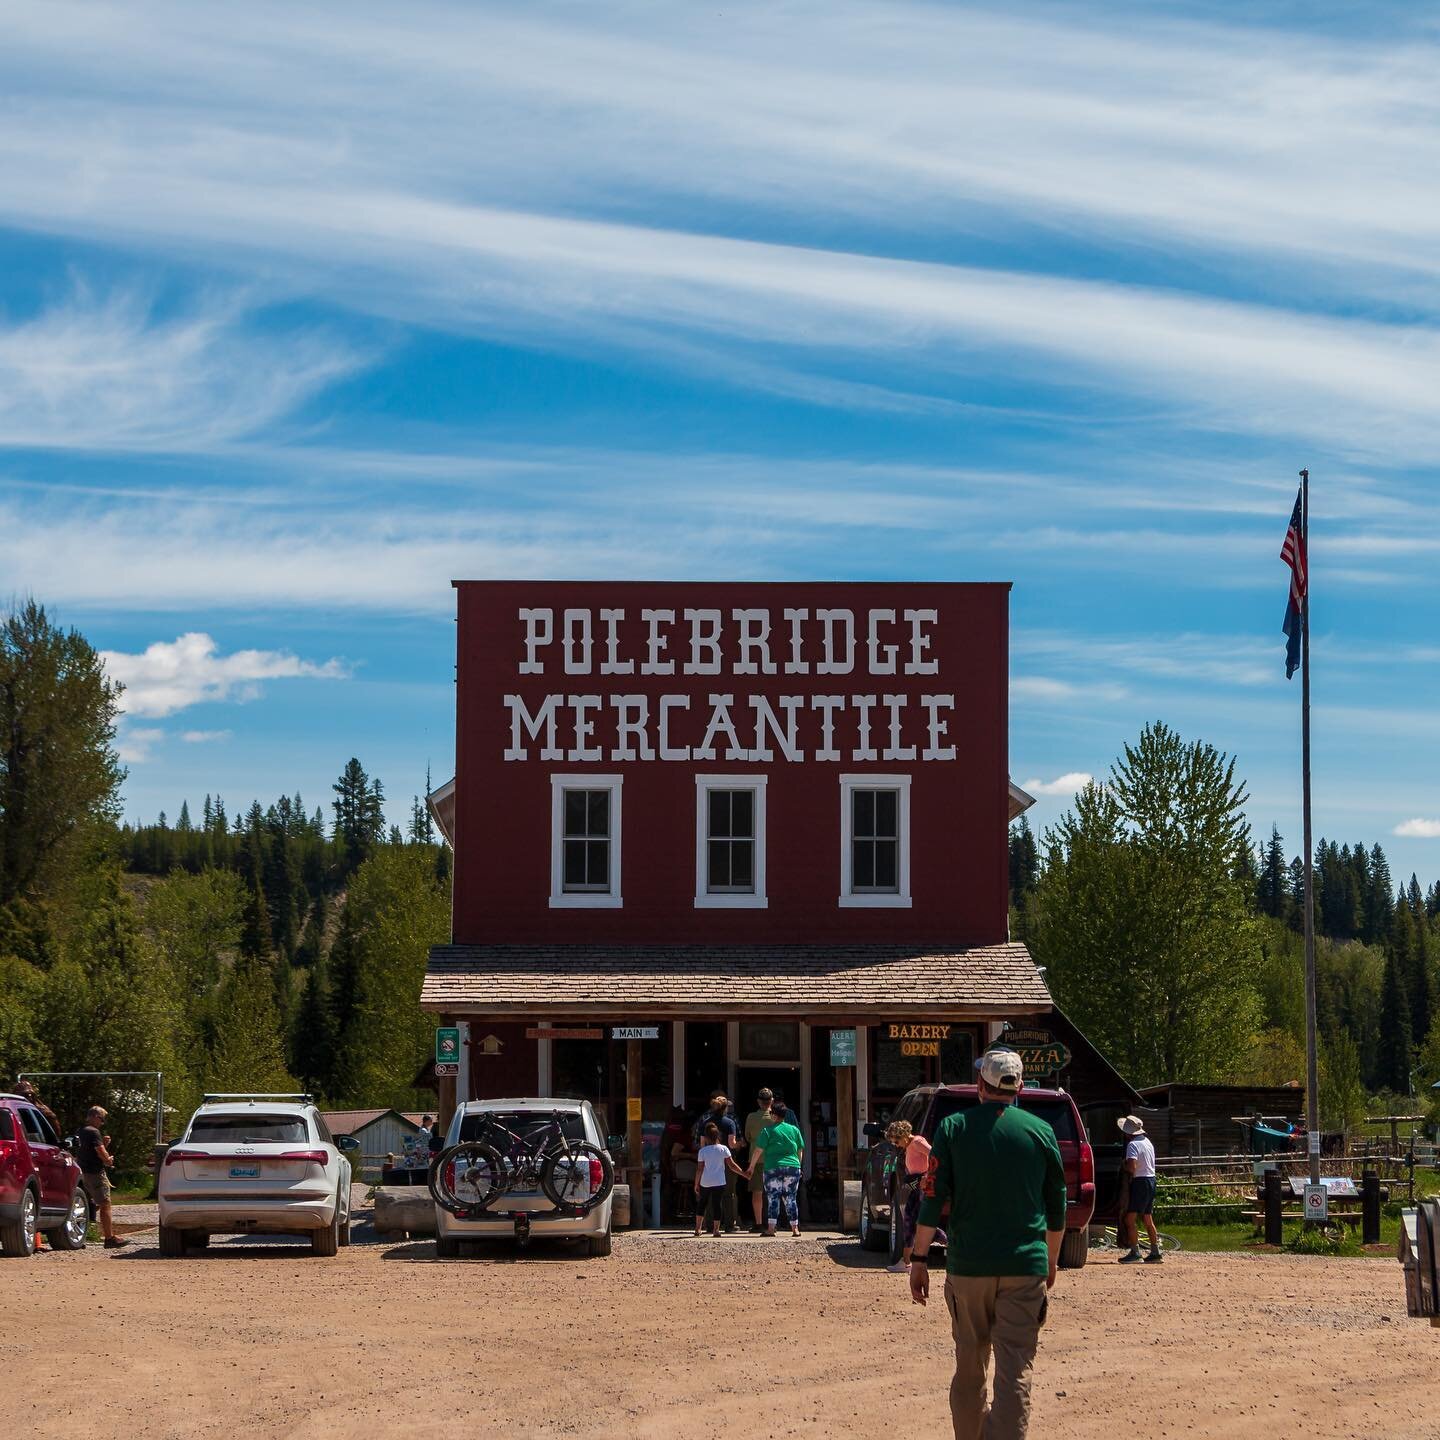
{"x":59,"y":773}
{"x":1141,"y":919}
{"x":248,"y":1053}
{"x":1342,"y":1088}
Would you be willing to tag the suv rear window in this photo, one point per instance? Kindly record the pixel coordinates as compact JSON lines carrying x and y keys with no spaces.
{"x":233,"y":1129}
{"x":1059,"y":1115}
{"x":529,"y":1125}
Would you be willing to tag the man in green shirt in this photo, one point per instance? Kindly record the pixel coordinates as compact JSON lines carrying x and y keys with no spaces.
{"x":998,"y":1168}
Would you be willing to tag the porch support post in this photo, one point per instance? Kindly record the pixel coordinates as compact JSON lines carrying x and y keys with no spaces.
{"x":677,"y":1063}
{"x":862,"y":1086}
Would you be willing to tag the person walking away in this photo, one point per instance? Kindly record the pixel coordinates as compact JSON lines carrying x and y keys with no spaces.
{"x":95,"y":1158}
{"x":719,"y":1115}
{"x":779,"y":1155}
{"x":714,"y":1163}
{"x":999,"y":1169}
{"x":755,"y":1122}
{"x":1140,"y":1204}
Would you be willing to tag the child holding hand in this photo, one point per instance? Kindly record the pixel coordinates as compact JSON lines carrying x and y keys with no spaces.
{"x":712,"y":1161}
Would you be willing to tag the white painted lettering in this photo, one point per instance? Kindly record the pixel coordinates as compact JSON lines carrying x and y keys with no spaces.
{"x":668,"y":703}
{"x":795,"y":665}
{"x":827,"y":705}
{"x":655,"y":642}
{"x":895,"y":750}
{"x":699,"y":641}
{"x":830,"y":665}
{"x":584,"y":729}
{"x":572,"y":620}
{"x":520,"y":717}
{"x":920,"y":643}
{"x":938,"y":727}
{"x":754,"y":635}
{"x":611,"y":665}
{"x":539,"y":630}
{"x":631,"y":719}
{"x":863,"y":704}
{"x":765,"y":716}
{"x":872,"y":640}
{"x":720,"y":721}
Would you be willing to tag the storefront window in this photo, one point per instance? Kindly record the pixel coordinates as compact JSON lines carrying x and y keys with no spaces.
{"x":770,"y":1040}
{"x":907,"y":1053}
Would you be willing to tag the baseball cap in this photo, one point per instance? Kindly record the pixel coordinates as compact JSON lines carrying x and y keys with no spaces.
{"x":1002,"y":1069}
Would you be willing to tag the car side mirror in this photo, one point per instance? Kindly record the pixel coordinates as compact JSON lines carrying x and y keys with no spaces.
{"x":348,"y":1143}
{"x":67,"y":1144}
{"x":874,"y":1130}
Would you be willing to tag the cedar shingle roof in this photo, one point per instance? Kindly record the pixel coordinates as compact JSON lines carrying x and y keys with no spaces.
{"x":346,"y":1122}
{"x":535,"y":980}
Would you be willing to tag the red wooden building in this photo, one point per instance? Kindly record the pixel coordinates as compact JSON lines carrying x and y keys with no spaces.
{"x":735,"y":817}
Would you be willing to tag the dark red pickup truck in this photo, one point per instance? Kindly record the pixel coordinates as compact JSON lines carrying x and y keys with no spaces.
{"x":886,"y":1186}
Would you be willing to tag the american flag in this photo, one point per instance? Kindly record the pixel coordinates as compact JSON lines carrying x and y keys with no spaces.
{"x":1292,"y":552}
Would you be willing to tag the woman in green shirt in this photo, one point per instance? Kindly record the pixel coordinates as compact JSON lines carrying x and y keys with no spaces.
{"x":779,"y":1153}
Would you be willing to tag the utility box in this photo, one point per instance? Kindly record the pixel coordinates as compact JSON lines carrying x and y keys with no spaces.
{"x":1419,"y":1244}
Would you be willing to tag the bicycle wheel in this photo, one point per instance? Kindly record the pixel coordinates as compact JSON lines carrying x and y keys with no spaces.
{"x":578,"y":1178}
{"x":466,"y":1178}
{"x":1111,"y":1240}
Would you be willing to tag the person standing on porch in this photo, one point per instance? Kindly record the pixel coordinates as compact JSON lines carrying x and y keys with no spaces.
{"x":755,"y":1122}
{"x":719,"y":1115}
{"x":1000,"y":1170}
{"x":779,"y":1154}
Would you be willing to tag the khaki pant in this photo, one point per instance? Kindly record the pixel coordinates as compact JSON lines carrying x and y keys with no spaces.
{"x":1003,"y":1313}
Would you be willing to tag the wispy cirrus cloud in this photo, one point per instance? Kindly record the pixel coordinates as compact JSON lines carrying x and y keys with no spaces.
{"x":174,"y":675}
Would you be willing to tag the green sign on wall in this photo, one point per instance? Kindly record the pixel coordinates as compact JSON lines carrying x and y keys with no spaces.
{"x":447,"y":1045}
{"x":842,"y":1047}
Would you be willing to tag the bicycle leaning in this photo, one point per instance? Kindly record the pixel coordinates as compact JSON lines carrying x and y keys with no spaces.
{"x":470,"y":1178}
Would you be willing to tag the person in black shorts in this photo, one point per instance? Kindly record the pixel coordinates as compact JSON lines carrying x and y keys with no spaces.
{"x":1140,"y":1203}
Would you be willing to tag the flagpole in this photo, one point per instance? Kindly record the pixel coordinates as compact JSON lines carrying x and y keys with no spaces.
{"x":1312,"y":1058}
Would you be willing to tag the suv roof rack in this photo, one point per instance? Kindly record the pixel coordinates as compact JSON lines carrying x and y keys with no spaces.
{"x":256,"y":1095}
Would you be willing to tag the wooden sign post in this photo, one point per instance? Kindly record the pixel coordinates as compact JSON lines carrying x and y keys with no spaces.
{"x":634,"y":1134}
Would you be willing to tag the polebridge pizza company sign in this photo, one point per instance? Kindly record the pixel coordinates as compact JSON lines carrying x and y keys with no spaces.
{"x":748,"y":684}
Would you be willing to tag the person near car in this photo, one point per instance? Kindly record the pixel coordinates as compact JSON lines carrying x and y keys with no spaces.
{"x":914,"y":1156}
{"x":999,"y":1169}
{"x":26,"y":1090}
{"x":436,"y":1143}
{"x":719,"y":1115}
{"x":95,"y":1159}
{"x":714,"y":1166}
{"x":755,"y":1122}
{"x":1140,"y":1202}
{"x":779,"y":1155}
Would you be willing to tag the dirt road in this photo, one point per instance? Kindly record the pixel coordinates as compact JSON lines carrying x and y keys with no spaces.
{"x":759,"y":1337}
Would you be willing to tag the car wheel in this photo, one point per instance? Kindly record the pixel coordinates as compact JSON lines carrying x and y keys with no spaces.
{"x":446,"y":1248}
{"x":598,"y":1244}
{"x":18,"y":1237}
{"x":195,"y":1239}
{"x":71,"y":1235}
{"x":1075,"y":1248}
{"x":344,"y":1236}
{"x":871,"y":1236}
{"x":172,"y":1241}
{"x":327,"y":1241}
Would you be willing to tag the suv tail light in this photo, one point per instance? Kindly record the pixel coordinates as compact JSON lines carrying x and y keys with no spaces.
{"x":173,"y":1154}
{"x":597,"y":1175}
{"x":1087,"y":1164}
{"x":311,"y":1157}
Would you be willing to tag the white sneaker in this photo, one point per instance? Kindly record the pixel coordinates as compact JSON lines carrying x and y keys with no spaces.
{"x":898,"y":1268}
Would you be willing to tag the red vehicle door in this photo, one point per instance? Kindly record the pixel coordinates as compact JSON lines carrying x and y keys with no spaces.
{"x":52,"y":1164}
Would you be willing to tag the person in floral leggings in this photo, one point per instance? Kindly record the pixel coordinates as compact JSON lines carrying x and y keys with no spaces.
{"x":779,"y":1154}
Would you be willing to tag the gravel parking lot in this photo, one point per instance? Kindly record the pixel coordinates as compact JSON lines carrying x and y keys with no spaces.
{"x":763,"y":1337}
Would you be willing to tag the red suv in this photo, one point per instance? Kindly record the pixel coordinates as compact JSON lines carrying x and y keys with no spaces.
{"x":39,"y":1183}
{"x":886,"y":1187}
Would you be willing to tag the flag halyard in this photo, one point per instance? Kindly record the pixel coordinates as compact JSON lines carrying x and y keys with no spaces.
{"x":1292,"y":552}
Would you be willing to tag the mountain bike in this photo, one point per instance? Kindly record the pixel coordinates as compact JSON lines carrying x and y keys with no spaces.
{"x":470,"y":1178}
{"x":1110,"y":1240}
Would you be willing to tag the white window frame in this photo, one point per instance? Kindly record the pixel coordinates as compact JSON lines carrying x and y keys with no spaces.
{"x":728,"y":899}
{"x":871,"y":900}
{"x":560,"y":898}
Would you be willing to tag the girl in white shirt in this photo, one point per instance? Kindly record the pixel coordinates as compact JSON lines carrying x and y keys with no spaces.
{"x":712,"y":1161}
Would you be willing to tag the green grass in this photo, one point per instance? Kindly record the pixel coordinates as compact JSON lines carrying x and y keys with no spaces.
{"x":1240,"y":1237}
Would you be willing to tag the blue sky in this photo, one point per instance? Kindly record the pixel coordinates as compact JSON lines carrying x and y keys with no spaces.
{"x":304,"y":313}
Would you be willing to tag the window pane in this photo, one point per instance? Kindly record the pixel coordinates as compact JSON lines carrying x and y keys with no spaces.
{"x":886,"y":876}
{"x":885,"y":812}
{"x":598,"y":863}
{"x":719,"y":814}
{"x":742,"y":813}
{"x":742,"y":866}
{"x":864,"y":864}
{"x":574,"y":812}
{"x":719,"y":864}
{"x":574,"y":862}
{"x":599,"y":808}
{"x":864,"y":813}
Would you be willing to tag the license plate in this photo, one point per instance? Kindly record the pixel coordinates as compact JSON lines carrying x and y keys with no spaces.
{"x":244,"y":1172}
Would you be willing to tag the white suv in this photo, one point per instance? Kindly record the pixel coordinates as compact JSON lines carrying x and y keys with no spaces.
{"x":519,"y":1213}
{"x":254,"y":1165}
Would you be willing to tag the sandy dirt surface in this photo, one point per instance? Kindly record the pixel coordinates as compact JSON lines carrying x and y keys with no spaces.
{"x":740,"y":1335}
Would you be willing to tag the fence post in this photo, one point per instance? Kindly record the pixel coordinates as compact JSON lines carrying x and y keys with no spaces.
{"x":1274,"y":1228}
{"x":1370,"y":1206}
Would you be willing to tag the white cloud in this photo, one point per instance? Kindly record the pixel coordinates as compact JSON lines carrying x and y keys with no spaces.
{"x":1067,"y":784}
{"x":173,"y":675}
{"x":204,"y":737}
{"x":135,"y":745}
{"x":1418,"y":829}
{"x":111,"y":374}
{"x":1045,"y":688}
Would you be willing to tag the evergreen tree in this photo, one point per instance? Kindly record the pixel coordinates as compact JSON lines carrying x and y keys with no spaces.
{"x":359,"y":815}
{"x":183,"y":824}
{"x":1379,"y":897}
{"x":1024,"y":863}
{"x":312,"y":1035}
{"x":1396,"y":1036}
{"x":1271,"y":888}
{"x":248,"y":1053}
{"x":255,"y":942}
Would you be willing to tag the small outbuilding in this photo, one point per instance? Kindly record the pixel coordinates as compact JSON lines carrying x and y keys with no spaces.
{"x":380,"y":1132}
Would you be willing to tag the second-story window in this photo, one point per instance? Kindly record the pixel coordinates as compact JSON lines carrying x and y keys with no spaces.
{"x":585,"y":841}
{"x":875,"y":840}
{"x":730,"y":842}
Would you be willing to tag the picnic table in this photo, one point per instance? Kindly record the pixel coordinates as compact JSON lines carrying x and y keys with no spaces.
{"x":1338,"y":1187}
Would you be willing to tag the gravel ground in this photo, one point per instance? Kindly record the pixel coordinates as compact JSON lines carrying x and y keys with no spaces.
{"x":737,"y":1336}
